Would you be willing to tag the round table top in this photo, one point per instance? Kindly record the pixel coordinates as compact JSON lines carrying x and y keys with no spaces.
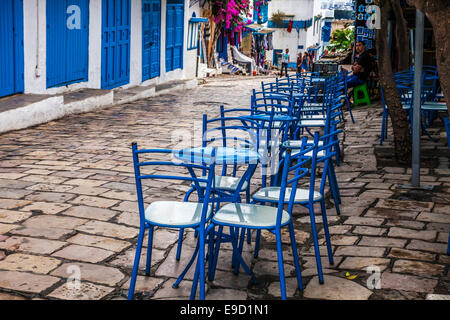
{"x":267,"y":117}
{"x":224,"y":155}
{"x":435,"y":106}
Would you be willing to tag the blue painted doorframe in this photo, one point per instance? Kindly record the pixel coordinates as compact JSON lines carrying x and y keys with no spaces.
{"x":174,"y":34}
{"x":67,"y":42}
{"x":116,"y":18}
{"x":151,"y":38}
{"x":11,"y":44}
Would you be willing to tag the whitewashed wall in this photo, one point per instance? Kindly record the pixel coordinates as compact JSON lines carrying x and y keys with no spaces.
{"x":190,"y":64}
{"x":34,"y":45}
{"x":302,"y":10}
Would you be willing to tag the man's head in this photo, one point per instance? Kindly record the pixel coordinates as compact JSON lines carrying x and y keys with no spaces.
{"x":360,"y":47}
{"x":287,"y":50}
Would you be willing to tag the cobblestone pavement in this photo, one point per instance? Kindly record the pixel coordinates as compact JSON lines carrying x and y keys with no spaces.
{"x":68,"y":200}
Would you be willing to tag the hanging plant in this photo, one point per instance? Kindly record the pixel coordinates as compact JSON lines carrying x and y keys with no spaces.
{"x":278,"y":18}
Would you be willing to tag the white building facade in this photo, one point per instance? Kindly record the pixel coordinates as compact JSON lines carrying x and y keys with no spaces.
{"x":65,"y":45}
{"x":306,"y":26}
{"x":310,"y":19}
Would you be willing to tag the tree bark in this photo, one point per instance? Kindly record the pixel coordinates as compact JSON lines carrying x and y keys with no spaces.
{"x":438,"y":13}
{"x":399,"y":119}
{"x":401,"y":35}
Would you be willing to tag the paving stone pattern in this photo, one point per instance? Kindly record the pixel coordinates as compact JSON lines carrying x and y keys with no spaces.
{"x":68,"y":205}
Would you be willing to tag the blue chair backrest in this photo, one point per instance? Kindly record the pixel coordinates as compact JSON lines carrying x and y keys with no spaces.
{"x":231,"y":132}
{"x":165,"y":160}
{"x":300,"y":165}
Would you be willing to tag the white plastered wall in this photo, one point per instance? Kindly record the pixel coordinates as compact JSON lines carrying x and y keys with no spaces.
{"x":302,"y":10}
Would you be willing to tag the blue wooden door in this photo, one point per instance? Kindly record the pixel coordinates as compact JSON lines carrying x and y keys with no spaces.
{"x":11,"y":44}
{"x":67,"y":42}
{"x":151,"y":38}
{"x":116,"y":16}
{"x":174,"y":34}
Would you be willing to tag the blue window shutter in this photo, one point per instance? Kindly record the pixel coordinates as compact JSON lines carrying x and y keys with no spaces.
{"x":67,"y":49}
{"x":116,"y":17}
{"x":11,"y":44}
{"x":174,"y":35}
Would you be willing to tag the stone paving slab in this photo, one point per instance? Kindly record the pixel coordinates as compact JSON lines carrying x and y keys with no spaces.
{"x":68,"y":200}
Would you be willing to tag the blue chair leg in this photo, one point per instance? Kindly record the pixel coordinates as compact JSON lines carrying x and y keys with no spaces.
{"x":280,"y":264}
{"x":137,"y":258}
{"x":383,"y":124}
{"x":149,"y":251}
{"x":240,"y":248}
{"x":199,"y":274}
{"x":257,"y":240}
{"x":181,"y":233}
{"x":334,"y":194}
{"x":349,"y":108}
{"x":195,"y":281}
{"x":234,"y":239}
{"x":335,"y":181}
{"x":201,"y":260}
{"x":180,"y":244}
{"x":295,"y":255}
{"x":326,"y":231}
{"x":448,"y":245}
{"x":212,"y":269}
{"x":247,"y":200}
{"x":316,"y":242}
{"x":210,"y":232}
{"x":186,"y":269}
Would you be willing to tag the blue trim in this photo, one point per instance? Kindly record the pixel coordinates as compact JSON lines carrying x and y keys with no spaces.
{"x":193,"y":19}
{"x":193,"y":29}
{"x":300,"y":24}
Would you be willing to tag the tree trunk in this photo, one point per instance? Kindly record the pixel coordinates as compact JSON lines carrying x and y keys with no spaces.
{"x":438,"y":13}
{"x":399,"y":119}
{"x":402,"y":36}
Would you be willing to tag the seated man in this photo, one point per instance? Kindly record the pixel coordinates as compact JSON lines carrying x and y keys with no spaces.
{"x":361,"y":68}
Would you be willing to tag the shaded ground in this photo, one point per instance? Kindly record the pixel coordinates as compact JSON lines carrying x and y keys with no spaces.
{"x":67,"y":199}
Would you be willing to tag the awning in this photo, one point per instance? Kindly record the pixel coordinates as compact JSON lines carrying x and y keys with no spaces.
{"x":313,"y":48}
{"x":265,"y":31}
{"x":199,"y":19}
{"x":254,"y":27}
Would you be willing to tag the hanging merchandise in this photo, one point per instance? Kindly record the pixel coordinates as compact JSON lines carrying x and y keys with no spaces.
{"x":290,"y":25}
{"x":271,"y":41}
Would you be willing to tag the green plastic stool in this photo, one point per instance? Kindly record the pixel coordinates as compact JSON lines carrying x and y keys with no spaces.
{"x":356,"y":95}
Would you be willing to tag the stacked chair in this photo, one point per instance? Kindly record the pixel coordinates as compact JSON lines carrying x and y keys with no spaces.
{"x":429,"y":94}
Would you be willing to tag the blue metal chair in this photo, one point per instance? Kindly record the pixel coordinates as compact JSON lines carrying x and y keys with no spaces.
{"x":227,"y":132}
{"x":332,"y":120}
{"x":273,"y":219}
{"x":174,"y":214}
{"x":447,"y":129}
{"x":324,"y":155}
{"x":343,"y":88}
